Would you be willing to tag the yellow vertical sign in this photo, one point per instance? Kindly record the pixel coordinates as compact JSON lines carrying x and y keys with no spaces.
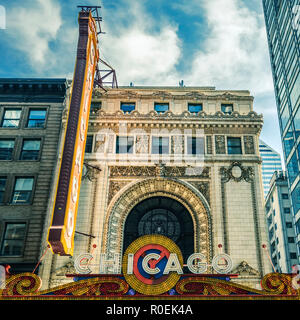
{"x":62,"y":229}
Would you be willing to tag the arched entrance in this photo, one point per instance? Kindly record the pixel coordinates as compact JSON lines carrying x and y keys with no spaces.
{"x":129,"y":197}
{"x":164,"y":216}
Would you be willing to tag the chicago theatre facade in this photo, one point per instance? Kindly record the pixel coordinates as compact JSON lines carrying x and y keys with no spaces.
{"x":177,"y":161}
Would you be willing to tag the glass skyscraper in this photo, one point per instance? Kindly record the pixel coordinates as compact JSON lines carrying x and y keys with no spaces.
{"x":283,"y":30}
{"x":271,"y":162}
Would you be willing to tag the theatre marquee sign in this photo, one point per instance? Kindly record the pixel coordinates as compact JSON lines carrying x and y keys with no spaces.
{"x":153,"y":264}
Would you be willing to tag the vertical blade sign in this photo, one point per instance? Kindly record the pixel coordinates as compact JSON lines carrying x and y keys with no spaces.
{"x":62,"y":228}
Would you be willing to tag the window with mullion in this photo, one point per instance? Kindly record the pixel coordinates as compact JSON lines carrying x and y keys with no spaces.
{"x":234,"y":145}
{"x":22,"y":190}
{"x":124,"y":144}
{"x":14,"y":239}
{"x":160,"y":145}
{"x":36,"y":118}
{"x":195,"y":145}
{"x":11,"y":118}
{"x":30,"y":149}
{"x":6,"y":149}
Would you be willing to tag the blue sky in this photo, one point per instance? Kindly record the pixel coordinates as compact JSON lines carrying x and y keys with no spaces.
{"x":219,"y":43}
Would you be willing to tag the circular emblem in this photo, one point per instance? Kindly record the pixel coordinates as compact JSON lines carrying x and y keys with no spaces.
{"x":150,"y":257}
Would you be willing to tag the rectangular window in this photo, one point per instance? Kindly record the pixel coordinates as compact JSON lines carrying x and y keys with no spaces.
{"x":160,"y":145}
{"x":95,"y":106}
{"x":227,"y":108}
{"x":30,"y":149}
{"x":124,"y":145}
{"x":195,"y":107}
{"x":127,"y":107}
{"x":293,"y":255}
{"x":161,"y":107}
{"x":286,"y":210}
{"x":2,"y":188}
{"x":234,"y":145}
{"x":36,"y":118}
{"x":11,"y":118}
{"x":89,"y":144}
{"x":22,"y":190}
{"x":285,"y":196}
{"x":195,"y":145}
{"x":291,"y":240}
{"x":6,"y":149}
{"x":289,"y":225}
{"x":13,"y":240}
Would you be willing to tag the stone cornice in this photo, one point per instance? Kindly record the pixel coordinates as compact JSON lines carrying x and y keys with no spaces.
{"x":169,"y":95}
{"x":169,"y":115}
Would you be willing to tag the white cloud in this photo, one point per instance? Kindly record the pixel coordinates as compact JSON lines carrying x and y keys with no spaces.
{"x":137,"y":52}
{"x":234,"y":54}
{"x":33,"y":27}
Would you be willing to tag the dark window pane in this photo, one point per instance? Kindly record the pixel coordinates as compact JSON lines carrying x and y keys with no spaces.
{"x":95,"y":106}
{"x":13,"y":241}
{"x":127,"y":107}
{"x":2,"y":188}
{"x":296,"y":199}
{"x":36,"y":118}
{"x":234,"y":145}
{"x":11,"y":118}
{"x":293,"y":169}
{"x":227,"y":108}
{"x":160,"y":145}
{"x":291,"y":240}
{"x":195,"y":145}
{"x":161,"y":107}
{"x":297,"y":123}
{"x":124,"y":145}
{"x":6,"y":149}
{"x":30,"y":150}
{"x":194,"y":107}
{"x":89,"y":144}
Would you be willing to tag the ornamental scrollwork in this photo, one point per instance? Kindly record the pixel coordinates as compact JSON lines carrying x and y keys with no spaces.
{"x":237,"y":173}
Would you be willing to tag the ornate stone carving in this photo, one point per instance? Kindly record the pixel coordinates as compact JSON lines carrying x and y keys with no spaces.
{"x":209,"y":145}
{"x":160,"y":170}
{"x":203,"y":187}
{"x":142,"y":144}
{"x":67,"y":268}
{"x":245,"y":269}
{"x":151,"y":171}
{"x":177,"y":144}
{"x":249,"y":145}
{"x":195,"y":95}
{"x":162,"y":95}
{"x":237,"y":173}
{"x":220,"y":144}
{"x":104,"y":143}
{"x":115,"y":187}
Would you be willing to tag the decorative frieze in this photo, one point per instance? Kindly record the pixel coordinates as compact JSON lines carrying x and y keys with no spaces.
{"x":151,"y":171}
